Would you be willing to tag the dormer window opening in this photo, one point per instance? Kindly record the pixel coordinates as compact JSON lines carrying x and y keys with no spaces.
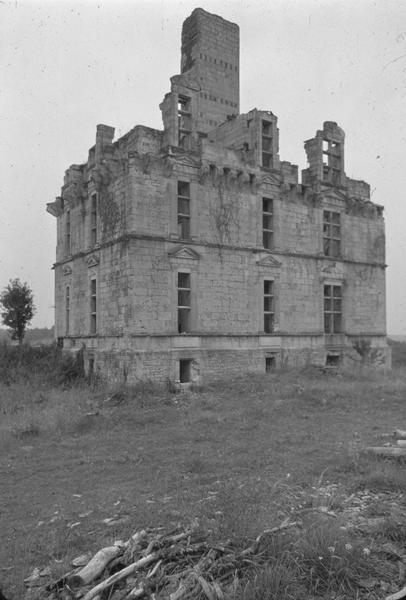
{"x":184,"y":122}
{"x":267,"y":144}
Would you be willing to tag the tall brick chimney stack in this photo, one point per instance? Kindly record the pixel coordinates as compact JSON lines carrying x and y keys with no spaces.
{"x":211,"y":56}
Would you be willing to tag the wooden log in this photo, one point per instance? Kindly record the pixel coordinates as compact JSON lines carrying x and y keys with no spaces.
{"x":398,"y":595}
{"x":94,"y":567}
{"x":386,"y":451}
{"x":286,"y":524}
{"x":400,"y":434}
{"x":139,"y":564}
{"x":137,"y":592}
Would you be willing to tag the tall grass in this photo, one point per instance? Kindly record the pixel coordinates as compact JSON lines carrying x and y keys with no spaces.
{"x":44,"y":365}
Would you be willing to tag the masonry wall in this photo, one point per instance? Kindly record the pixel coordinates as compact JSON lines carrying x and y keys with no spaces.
{"x":119,"y":249}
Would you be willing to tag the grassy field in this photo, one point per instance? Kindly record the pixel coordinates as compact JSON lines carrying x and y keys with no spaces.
{"x":239,"y":456}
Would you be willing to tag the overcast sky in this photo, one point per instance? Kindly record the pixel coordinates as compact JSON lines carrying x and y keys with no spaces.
{"x":67,"y":66}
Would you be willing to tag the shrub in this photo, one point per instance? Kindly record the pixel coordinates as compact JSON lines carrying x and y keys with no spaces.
{"x":45,"y":363}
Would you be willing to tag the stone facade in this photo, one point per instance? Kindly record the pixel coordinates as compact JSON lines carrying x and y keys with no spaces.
{"x":194,"y":252}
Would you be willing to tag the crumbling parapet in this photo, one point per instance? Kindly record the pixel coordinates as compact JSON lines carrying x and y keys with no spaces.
{"x":325,"y":155}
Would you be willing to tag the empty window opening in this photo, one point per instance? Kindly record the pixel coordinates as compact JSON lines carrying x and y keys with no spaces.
{"x":184,"y":210}
{"x":246,"y":146}
{"x":90,"y":366}
{"x":332,"y":161}
{"x":331,"y":233}
{"x":333,"y":360}
{"x":184,"y":302}
{"x":226,"y":172}
{"x":268,"y":306}
{"x":67,"y":310}
{"x":270,"y":363}
{"x":267,"y":144}
{"x":184,"y":122}
{"x":332,"y":309}
{"x":93,"y":220}
{"x":68,"y":233}
{"x":267,"y":222}
{"x":252,"y":179}
{"x":185,"y":370}
{"x":93,"y":306}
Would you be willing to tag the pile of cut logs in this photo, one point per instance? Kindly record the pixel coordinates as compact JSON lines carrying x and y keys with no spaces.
{"x":152,"y":564}
{"x":389,"y":450}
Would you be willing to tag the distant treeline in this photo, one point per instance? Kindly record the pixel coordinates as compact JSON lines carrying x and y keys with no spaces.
{"x":36,"y":335}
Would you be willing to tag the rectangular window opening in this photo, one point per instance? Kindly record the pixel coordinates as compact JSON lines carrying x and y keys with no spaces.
{"x":93,"y":220}
{"x":184,"y":302}
{"x":267,"y":145}
{"x":267,"y":222}
{"x":184,"y":122}
{"x":184,"y":210}
{"x":331,"y":233}
{"x":332,"y":309}
{"x":333,"y":360}
{"x":90,"y":366}
{"x":67,"y":309}
{"x":268,"y":306}
{"x":68,"y":233}
{"x":93,"y":306}
{"x":185,"y":370}
{"x":270,"y":363}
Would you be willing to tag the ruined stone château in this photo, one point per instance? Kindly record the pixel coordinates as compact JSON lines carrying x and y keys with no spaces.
{"x":194,"y":252}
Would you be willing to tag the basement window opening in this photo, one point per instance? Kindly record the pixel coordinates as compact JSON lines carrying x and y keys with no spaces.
{"x":333,"y":360}
{"x":185,"y":370}
{"x":270,"y":363}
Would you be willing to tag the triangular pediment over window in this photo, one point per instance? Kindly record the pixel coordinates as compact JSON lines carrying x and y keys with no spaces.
{"x":183,"y":252}
{"x":333,"y":196}
{"x":184,"y":160}
{"x":268,"y":261}
{"x":92,"y":260}
{"x":67,"y":270}
{"x":269,"y":179}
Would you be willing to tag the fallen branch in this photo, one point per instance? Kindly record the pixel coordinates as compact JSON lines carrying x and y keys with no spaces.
{"x":94,"y":567}
{"x":136,"y":566}
{"x":286,"y":524}
{"x":386,"y":451}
